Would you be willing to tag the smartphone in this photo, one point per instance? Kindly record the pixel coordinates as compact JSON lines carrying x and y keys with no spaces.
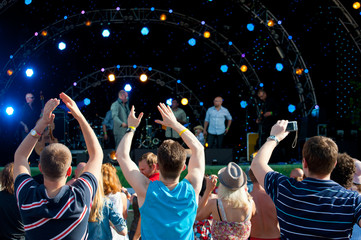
{"x":292,"y":126}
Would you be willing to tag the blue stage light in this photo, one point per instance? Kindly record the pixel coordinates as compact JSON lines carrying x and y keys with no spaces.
{"x":27,"y":2}
{"x":179,"y":81}
{"x":279,"y":67}
{"x":9,"y":111}
{"x":169,"y":101}
{"x":145,"y":31}
{"x":134,"y":66}
{"x":62,"y":46}
{"x":106,"y":33}
{"x":224,"y":68}
{"x":243,"y":104}
{"x":250,"y":27}
{"x":86,"y":101}
{"x":230,"y":43}
{"x":127,"y":88}
{"x":291,"y":108}
{"x":192,"y":42}
{"x":29,"y":72}
{"x":261,"y":84}
{"x":290,"y":37}
{"x":201,"y":103}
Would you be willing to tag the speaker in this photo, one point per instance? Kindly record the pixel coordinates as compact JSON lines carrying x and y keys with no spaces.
{"x":219,"y":156}
{"x":137,"y":153}
{"x":60,"y":125}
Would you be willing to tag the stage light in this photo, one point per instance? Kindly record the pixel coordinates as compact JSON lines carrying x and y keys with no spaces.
{"x":244,"y":68}
{"x":127,"y":88}
{"x":243,"y":104}
{"x":299,"y":71}
{"x":102,"y":70}
{"x":250,"y":27}
{"x":111,"y":77}
{"x":179,"y":81}
{"x":9,"y":111}
{"x":306,"y":70}
{"x":9,"y":72}
{"x":230,"y":43}
{"x":184,"y":101}
{"x":74,"y":84}
{"x":29,"y":72}
{"x":62,"y":46}
{"x":206,"y":34}
{"x":317,"y":107}
{"x":291,"y":108}
{"x":88,"y":23}
{"x":169,"y":101}
{"x":82,"y":12}
{"x":224,"y":68}
{"x":134,"y":66}
{"x":112,"y":155}
{"x":106,"y":33}
{"x":86,"y":101}
{"x":261,"y":84}
{"x":192,"y":42}
{"x":163,"y":17}
{"x":279,"y":67}
{"x":44,"y":33}
{"x":201,"y":103}
{"x":145,"y":31}
{"x":271,"y":23}
{"x":356,"y":5}
{"x":150,"y":69}
{"x":27,"y":2}
{"x":143,"y":77}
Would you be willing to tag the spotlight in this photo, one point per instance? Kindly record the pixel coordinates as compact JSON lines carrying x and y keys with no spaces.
{"x":143,"y":77}
{"x":88,"y":23}
{"x":163,"y":17}
{"x":356,"y":5}
{"x":9,"y":111}
{"x":261,"y":84}
{"x":206,"y":34}
{"x":271,"y":23}
{"x":127,"y":88}
{"x":224,"y":68}
{"x":112,"y":155}
{"x":184,"y":101}
{"x":244,"y":68}
{"x":27,"y":2}
{"x":299,"y":71}
{"x":86,"y":101}
{"x":106,"y":33}
{"x":44,"y":33}
{"x":250,"y":27}
{"x":169,"y":101}
{"x":192,"y":42}
{"x":29,"y":72}
{"x":111,"y":77}
{"x":243,"y":104}
{"x":291,"y":108}
{"x":145,"y":31}
{"x":201,"y":103}
{"x":279,"y":67}
{"x":61,"y":46}
{"x":9,"y":72}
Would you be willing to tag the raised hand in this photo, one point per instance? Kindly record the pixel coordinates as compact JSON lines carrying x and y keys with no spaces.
{"x":134,"y":121}
{"x":48,"y":116}
{"x":74,"y":110}
{"x":211,"y":183}
{"x":279,"y":130}
{"x":169,"y":119}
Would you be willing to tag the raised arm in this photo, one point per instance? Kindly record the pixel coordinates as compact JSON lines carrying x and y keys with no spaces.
{"x":24,"y":150}
{"x":197,"y":160}
{"x":204,"y":212}
{"x":130,"y":170}
{"x":95,"y":151}
{"x":259,"y":164}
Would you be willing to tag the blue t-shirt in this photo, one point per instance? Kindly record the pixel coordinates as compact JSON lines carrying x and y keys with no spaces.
{"x":216,"y":119}
{"x":313,"y":208}
{"x":63,"y":217}
{"x":168,"y":214}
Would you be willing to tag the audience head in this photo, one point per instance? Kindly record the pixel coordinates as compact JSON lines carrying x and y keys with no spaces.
{"x":344,"y":171}
{"x":123,"y":95}
{"x":198,"y":129}
{"x":320,"y":155}
{"x":96,"y":212}
{"x":148,"y":164}
{"x":171,"y":159}
{"x":55,"y":161}
{"x":7,"y":178}
{"x":175,"y":103}
{"x":357,"y":176}
{"x":297,"y":173}
{"x":79,"y":169}
{"x":233,"y":185}
{"x":111,"y":181}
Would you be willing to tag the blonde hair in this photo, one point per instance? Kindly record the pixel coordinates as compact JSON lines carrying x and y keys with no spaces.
{"x":7,"y":178}
{"x":236,"y":198}
{"x":96,"y":212}
{"x":111,"y":181}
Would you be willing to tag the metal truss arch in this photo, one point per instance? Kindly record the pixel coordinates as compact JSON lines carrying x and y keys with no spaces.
{"x":163,"y":79}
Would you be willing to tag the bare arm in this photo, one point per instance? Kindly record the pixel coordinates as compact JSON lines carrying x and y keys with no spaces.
{"x":197,"y":160}
{"x":211,"y":183}
{"x":23,"y":152}
{"x":228,"y":125}
{"x":94,"y":149}
{"x":259,"y":164}
{"x":205,"y":128}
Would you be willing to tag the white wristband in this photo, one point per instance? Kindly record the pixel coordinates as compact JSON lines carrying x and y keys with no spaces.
{"x":272,"y":137}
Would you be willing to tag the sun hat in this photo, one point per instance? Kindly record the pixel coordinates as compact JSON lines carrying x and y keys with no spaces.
{"x":357,"y":175}
{"x":232,"y":176}
{"x":198,"y":127}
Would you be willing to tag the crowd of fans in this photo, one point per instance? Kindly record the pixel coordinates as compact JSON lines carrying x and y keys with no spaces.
{"x":321,"y":200}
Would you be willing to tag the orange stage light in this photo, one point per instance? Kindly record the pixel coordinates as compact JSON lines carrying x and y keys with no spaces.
{"x":356,"y":5}
{"x":143,"y":77}
{"x":299,"y":71}
{"x":184,"y":101}
{"x":111,"y":77}
{"x":88,"y":23}
{"x":244,"y":68}
{"x":44,"y":33}
{"x":207,"y":34}
{"x":10,"y":72}
{"x":163,"y":17}
{"x":271,"y":23}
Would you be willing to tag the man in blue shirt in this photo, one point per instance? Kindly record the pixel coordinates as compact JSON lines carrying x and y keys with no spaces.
{"x":215,"y":122}
{"x":316,"y":207}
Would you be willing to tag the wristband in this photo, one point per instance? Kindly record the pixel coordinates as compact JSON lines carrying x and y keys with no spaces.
{"x":131,"y":127}
{"x":180,"y":134}
{"x":105,"y":133}
{"x":272,"y":137}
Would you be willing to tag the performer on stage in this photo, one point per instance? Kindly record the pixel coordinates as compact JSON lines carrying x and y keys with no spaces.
{"x":29,"y":115}
{"x":120,"y":111}
{"x":108,"y":131}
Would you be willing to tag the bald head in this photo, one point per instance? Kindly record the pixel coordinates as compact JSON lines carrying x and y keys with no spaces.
{"x":297,"y":174}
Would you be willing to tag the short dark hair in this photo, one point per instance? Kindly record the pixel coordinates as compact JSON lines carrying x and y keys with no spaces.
{"x":55,"y":160}
{"x":320,"y":154}
{"x":344,"y":170}
{"x":171,"y":159}
{"x":7,"y":178}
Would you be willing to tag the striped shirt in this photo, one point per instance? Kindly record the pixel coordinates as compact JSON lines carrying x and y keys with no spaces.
{"x":313,"y":208}
{"x":63,"y":217}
